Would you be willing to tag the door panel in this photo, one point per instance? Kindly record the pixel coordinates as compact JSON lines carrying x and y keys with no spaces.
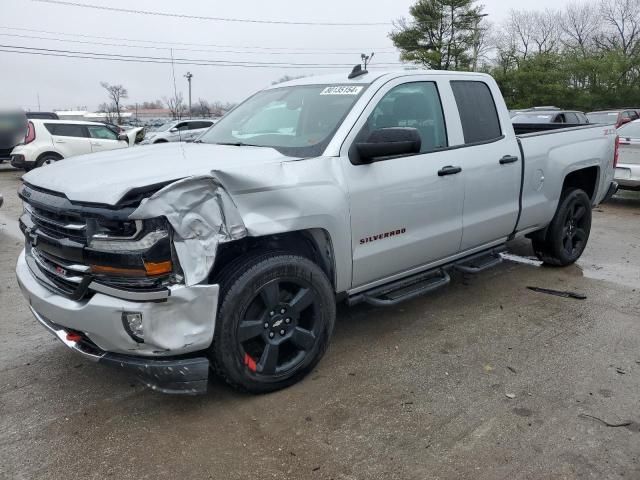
{"x":69,"y":139}
{"x":492,"y":167}
{"x":103,"y":139}
{"x":403,"y":213}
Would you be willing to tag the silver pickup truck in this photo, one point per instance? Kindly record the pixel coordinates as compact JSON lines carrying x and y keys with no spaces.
{"x":229,"y":254}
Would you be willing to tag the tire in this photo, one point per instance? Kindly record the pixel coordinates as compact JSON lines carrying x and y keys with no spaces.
{"x":568,"y":232}
{"x":275,"y":320}
{"x":47,"y":159}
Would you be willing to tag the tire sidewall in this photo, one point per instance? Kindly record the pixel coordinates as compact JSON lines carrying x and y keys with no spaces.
{"x":235,"y":300}
{"x":555,"y":237}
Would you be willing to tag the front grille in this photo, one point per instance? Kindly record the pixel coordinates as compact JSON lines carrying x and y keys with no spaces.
{"x":58,"y":225}
{"x":70,"y":279}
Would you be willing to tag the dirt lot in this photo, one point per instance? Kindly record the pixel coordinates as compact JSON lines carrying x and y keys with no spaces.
{"x":419,"y":391}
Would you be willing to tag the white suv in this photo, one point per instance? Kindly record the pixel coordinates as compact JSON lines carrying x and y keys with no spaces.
{"x":48,"y":141}
{"x":178,"y":131}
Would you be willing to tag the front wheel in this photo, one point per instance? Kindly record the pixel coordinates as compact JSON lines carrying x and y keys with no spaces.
{"x":276,"y":316}
{"x":568,"y":232}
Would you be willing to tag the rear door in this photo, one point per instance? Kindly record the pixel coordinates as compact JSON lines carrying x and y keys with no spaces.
{"x":103,"y":138}
{"x":491,"y":165}
{"x":69,"y":139}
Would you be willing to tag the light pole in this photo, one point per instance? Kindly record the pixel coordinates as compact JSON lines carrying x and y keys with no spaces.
{"x":189,"y":76}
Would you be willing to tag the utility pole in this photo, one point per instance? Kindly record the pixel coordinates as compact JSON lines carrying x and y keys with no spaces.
{"x":39,"y":103}
{"x":189,"y":76}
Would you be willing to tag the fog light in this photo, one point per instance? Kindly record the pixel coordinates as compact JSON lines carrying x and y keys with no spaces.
{"x":132,"y":322}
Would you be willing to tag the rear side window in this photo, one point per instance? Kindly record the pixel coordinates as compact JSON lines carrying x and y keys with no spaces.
{"x":572,"y":118}
{"x":199,"y":125}
{"x":66,"y":129}
{"x":101,"y":132}
{"x":478,"y":113}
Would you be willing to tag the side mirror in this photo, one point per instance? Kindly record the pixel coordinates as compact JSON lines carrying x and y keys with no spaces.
{"x":123,"y":137}
{"x":387,"y":142}
{"x":173,"y":130}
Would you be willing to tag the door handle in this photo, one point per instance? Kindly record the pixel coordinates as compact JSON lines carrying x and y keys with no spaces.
{"x":449,"y":170}
{"x":60,"y":141}
{"x":508,"y":159}
{"x":96,"y":144}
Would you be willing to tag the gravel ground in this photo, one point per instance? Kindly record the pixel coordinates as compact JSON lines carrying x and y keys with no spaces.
{"x":482,"y":380}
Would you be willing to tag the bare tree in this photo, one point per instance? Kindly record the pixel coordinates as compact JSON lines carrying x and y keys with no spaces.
{"x":519,"y":32}
{"x":176,"y":105}
{"x":621,"y":20}
{"x":580,"y":24}
{"x":116,"y":93}
{"x":481,"y":43}
{"x":109,"y":110}
{"x":202,"y":108}
{"x":546,"y":32}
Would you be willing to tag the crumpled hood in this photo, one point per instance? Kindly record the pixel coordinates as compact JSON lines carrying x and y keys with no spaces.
{"x":107,"y":176}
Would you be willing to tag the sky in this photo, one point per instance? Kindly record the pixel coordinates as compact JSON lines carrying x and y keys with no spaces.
{"x":67,"y":83}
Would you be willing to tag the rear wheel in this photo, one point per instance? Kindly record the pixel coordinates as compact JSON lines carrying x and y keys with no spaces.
{"x":275,"y":320}
{"x":568,"y":232}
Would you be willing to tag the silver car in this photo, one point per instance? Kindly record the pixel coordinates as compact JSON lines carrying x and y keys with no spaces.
{"x":177,"y":131}
{"x":628,"y":169}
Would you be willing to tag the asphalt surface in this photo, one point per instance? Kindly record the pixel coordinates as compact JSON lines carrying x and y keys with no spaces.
{"x":484,"y":379}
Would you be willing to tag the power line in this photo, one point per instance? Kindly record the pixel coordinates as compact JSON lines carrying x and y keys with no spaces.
{"x":198,"y":60}
{"x":354,"y":50}
{"x":216,"y":19}
{"x":163,"y":60}
{"x":107,"y":44}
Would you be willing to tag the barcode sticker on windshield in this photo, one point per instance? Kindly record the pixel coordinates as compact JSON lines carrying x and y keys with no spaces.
{"x":342,"y":90}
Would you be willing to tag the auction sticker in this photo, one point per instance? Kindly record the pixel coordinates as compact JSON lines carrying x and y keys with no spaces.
{"x":342,"y":90}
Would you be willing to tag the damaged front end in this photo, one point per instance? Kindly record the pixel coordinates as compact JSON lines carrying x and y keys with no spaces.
{"x":128,"y":283}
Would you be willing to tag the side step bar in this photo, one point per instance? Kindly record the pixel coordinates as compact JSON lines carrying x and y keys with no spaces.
{"x":417,"y":285}
{"x":401,"y":290}
{"x":480,"y":262}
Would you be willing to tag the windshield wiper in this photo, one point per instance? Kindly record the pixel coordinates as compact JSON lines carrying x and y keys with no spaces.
{"x":238,"y":144}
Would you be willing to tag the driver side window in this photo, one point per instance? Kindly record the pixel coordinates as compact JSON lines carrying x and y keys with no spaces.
{"x":415,"y":105}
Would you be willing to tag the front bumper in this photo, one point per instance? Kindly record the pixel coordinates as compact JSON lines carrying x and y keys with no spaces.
{"x":628,"y":176}
{"x":182,"y":325}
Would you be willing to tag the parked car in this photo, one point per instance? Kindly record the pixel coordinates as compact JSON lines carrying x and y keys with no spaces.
{"x":13,"y":125}
{"x":48,"y":141}
{"x":613,"y":117}
{"x":231,"y":253}
{"x":628,"y":169}
{"x":565,"y":117}
{"x":178,"y":131}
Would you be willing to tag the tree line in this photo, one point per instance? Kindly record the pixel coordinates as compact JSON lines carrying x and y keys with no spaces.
{"x":176,"y":105}
{"x":584,"y":56}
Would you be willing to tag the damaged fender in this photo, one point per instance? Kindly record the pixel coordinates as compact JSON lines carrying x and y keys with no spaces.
{"x":202,"y":214}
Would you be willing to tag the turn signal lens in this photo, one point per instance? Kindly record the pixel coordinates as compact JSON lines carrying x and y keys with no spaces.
{"x":150,"y":270}
{"x":158,"y":268}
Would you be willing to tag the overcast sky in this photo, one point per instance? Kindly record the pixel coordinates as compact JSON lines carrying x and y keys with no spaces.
{"x":71,"y":82}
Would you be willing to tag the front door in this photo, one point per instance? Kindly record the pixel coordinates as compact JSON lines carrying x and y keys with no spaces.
{"x":403,"y":213}
{"x":103,"y":138}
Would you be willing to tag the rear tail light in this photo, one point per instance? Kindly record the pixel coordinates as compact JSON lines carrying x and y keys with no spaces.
{"x":616,"y":152}
{"x":31,"y":133}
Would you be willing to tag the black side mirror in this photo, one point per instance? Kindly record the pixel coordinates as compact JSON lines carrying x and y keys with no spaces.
{"x":387,"y":142}
{"x":123,"y":137}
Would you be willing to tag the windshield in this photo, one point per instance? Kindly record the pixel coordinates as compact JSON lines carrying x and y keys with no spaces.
{"x":297,"y":121}
{"x":630,"y":130}
{"x":603,"y":117}
{"x":533,"y":118}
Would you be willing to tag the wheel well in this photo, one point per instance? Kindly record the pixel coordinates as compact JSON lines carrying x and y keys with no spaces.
{"x":162,"y":140}
{"x":49,"y":154}
{"x":584,"y":179}
{"x":314,"y":244}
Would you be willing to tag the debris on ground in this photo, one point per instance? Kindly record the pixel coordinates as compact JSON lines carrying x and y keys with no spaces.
{"x":612,"y":425}
{"x":510,"y":395}
{"x":511,"y":369}
{"x":559,"y":293}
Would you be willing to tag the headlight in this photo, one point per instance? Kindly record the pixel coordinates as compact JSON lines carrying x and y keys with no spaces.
{"x":112,"y":244}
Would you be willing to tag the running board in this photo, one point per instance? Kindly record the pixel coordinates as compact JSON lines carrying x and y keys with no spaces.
{"x":402,"y":290}
{"x":481,"y":262}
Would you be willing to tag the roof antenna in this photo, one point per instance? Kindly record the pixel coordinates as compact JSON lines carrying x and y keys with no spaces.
{"x":358,"y":70}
